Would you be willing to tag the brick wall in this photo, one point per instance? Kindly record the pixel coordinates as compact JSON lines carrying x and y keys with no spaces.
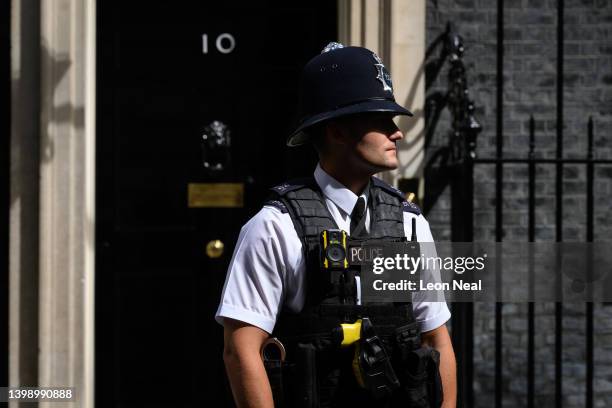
{"x":530,"y":75}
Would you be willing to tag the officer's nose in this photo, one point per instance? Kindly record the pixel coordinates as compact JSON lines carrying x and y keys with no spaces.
{"x":397,"y":135}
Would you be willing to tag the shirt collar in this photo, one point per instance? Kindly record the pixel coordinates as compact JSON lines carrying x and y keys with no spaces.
{"x":344,"y":198}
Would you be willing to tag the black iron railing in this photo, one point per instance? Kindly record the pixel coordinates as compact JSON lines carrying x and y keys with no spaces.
{"x":462,"y":223}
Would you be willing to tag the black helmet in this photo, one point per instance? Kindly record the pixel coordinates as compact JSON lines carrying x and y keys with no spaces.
{"x":342,"y":81}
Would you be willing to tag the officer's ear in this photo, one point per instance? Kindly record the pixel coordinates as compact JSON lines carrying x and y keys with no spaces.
{"x":317,"y":135}
{"x":338,"y":134}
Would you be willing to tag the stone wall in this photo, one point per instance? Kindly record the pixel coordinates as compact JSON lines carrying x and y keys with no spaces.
{"x":530,"y":75}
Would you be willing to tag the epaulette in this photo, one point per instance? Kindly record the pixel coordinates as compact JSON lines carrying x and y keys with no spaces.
{"x":277,"y":204}
{"x":291,"y":185}
{"x":411,"y":207}
{"x":388,"y":188}
{"x":407,"y":206}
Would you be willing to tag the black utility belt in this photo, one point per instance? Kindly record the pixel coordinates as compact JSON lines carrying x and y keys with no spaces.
{"x":340,"y":251}
{"x":378,"y":366}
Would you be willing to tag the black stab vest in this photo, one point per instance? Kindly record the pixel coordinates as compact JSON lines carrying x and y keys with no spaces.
{"x":304,"y":202}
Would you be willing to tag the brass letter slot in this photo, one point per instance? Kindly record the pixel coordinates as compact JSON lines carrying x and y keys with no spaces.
{"x":220,"y":195}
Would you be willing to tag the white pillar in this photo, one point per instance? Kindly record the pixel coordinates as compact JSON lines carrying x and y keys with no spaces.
{"x":395,"y":30}
{"x":67,"y":200}
{"x":408,"y":73}
{"x":52,"y":196}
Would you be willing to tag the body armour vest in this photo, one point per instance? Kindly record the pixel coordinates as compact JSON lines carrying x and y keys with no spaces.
{"x":317,"y":372}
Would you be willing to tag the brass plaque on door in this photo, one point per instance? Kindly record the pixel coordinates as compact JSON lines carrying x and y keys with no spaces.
{"x":220,"y":195}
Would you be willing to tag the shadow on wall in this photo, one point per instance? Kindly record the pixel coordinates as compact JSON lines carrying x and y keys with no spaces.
{"x":439,"y":165}
{"x":60,"y":114}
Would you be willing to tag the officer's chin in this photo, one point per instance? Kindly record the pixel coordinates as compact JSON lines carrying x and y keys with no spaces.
{"x":391,"y":167}
{"x":387,"y":166}
{"x":392,"y":162}
{"x":374,"y":165}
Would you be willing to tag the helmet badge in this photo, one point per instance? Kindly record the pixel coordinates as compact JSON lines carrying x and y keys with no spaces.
{"x":383,"y":75}
{"x":332,"y":46}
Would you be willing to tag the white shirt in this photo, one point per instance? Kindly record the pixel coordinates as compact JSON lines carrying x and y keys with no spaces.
{"x":268,"y":269}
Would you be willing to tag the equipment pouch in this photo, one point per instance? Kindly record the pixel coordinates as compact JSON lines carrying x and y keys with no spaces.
{"x":419,"y":368}
{"x":407,"y":339}
{"x":372,"y":365}
{"x":421,"y":378}
{"x":306,"y":384}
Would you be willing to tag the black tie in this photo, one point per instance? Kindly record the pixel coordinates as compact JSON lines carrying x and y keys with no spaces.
{"x":358,"y":219}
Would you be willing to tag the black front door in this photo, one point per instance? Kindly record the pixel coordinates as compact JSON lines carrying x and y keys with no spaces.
{"x":195,"y":100}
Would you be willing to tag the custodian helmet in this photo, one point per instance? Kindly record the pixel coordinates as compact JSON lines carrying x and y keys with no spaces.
{"x":342,"y":81}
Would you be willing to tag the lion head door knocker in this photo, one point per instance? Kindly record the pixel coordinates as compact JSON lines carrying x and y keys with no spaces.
{"x":216,"y":143}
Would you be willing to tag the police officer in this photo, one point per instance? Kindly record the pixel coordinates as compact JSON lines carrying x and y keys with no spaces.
{"x":274,"y":284}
